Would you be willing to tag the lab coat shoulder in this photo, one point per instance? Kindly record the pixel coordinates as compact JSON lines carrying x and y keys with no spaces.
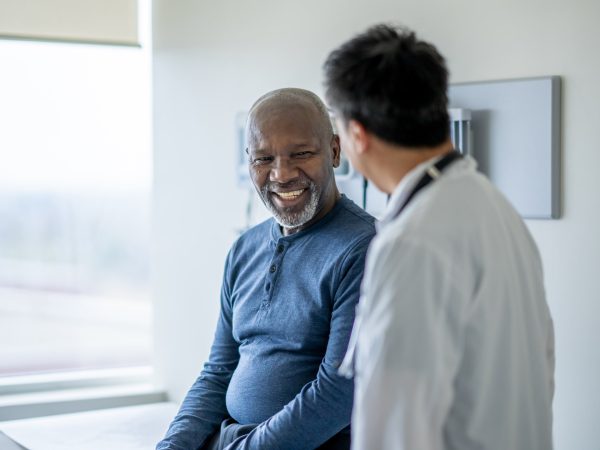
{"x":414,"y":287}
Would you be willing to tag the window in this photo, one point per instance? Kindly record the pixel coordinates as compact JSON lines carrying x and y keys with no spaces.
{"x":75,"y":177}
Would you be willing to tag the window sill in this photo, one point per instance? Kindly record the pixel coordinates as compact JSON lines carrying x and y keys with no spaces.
{"x":45,"y":395}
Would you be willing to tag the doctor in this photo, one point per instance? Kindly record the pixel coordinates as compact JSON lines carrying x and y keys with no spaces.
{"x":454,"y":337}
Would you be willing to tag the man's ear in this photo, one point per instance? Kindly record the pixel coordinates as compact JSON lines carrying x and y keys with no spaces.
{"x":336,"y":149}
{"x":359,"y":136}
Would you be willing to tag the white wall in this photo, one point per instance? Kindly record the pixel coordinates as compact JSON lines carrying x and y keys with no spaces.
{"x":212,"y":59}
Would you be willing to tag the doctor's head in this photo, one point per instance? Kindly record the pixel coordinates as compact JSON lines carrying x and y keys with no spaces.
{"x":292,"y":151}
{"x":385,"y":85}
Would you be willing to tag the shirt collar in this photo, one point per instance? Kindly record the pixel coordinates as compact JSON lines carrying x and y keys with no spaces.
{"x":276,"y":233}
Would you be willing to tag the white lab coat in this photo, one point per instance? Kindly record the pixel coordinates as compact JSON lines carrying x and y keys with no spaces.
{"x":455,"y":346}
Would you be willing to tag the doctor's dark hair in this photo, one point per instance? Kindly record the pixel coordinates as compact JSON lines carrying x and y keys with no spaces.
{"x":393,"y":84}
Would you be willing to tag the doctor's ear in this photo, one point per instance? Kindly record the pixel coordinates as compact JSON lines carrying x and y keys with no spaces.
{"x":359,"y":136}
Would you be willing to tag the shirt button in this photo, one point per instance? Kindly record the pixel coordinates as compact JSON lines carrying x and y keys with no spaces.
{"x":273,"y":268}
{"x":280,"y":248}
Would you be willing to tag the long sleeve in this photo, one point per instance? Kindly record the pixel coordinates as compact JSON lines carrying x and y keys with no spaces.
{"x":323,"y":407}
{"x":408,"y":348}
{"x":204,"y":407}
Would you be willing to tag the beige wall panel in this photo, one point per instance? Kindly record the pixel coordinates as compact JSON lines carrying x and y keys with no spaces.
{"x":99,"y":21}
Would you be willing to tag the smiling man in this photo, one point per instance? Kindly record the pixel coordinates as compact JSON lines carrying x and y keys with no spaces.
{"x":297,"y":186}
{"x":289,"y":292}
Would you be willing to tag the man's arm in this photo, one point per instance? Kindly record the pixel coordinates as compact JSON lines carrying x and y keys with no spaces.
{"x":323,"y":407}
{"x":408,"y":348}
{"x":203,"y":408}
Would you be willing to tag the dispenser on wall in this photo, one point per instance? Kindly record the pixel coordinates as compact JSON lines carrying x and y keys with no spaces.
{"x":460,"y":130}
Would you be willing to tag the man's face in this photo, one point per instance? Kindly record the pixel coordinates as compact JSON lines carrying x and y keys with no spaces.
{"x":291,"y":163}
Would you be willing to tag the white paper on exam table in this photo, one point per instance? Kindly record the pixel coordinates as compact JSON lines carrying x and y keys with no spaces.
{"x":130,"y":428}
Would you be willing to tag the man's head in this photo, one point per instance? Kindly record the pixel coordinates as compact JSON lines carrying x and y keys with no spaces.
{"x":292,"y":151}
{"x":393,"y":86}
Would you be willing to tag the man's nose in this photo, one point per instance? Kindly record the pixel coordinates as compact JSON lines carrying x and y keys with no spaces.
{"x":283,"y":170}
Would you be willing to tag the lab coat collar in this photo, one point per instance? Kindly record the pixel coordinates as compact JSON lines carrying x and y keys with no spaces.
{"x":407,"y":184}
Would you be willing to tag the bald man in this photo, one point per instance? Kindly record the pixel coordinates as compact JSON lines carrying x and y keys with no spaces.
{"x":289,"y":292}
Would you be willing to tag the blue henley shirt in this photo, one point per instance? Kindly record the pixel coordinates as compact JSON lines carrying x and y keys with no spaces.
{"x":287,"y":309}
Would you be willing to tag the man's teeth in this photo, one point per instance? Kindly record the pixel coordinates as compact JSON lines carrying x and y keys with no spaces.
{"x":289,"y":195}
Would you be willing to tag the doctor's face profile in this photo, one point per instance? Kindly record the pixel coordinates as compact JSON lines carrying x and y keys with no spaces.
{"x":291,"y":159}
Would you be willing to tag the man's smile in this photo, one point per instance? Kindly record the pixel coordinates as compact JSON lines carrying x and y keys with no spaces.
{"x":290,"y":195}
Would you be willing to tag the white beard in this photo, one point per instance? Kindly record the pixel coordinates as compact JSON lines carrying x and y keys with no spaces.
{"x":293,"y":219}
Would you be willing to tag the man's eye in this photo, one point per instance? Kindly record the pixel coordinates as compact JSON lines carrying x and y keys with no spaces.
{"x":262,"y":160}
{"x":303,"y":154}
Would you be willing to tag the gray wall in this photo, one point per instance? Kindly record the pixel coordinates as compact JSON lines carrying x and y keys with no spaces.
{"x":212,"y":59}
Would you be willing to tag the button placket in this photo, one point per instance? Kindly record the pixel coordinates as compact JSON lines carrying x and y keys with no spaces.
{"x":272,"y":273}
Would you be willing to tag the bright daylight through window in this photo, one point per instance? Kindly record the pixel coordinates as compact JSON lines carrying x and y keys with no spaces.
{"x":75,"y":168}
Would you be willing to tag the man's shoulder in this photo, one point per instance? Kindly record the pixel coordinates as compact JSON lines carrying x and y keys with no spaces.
{"x":254,"y":237}
{"x":348,"y":232}
{"x":353,"y":220}
{"x":262,"y":231}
